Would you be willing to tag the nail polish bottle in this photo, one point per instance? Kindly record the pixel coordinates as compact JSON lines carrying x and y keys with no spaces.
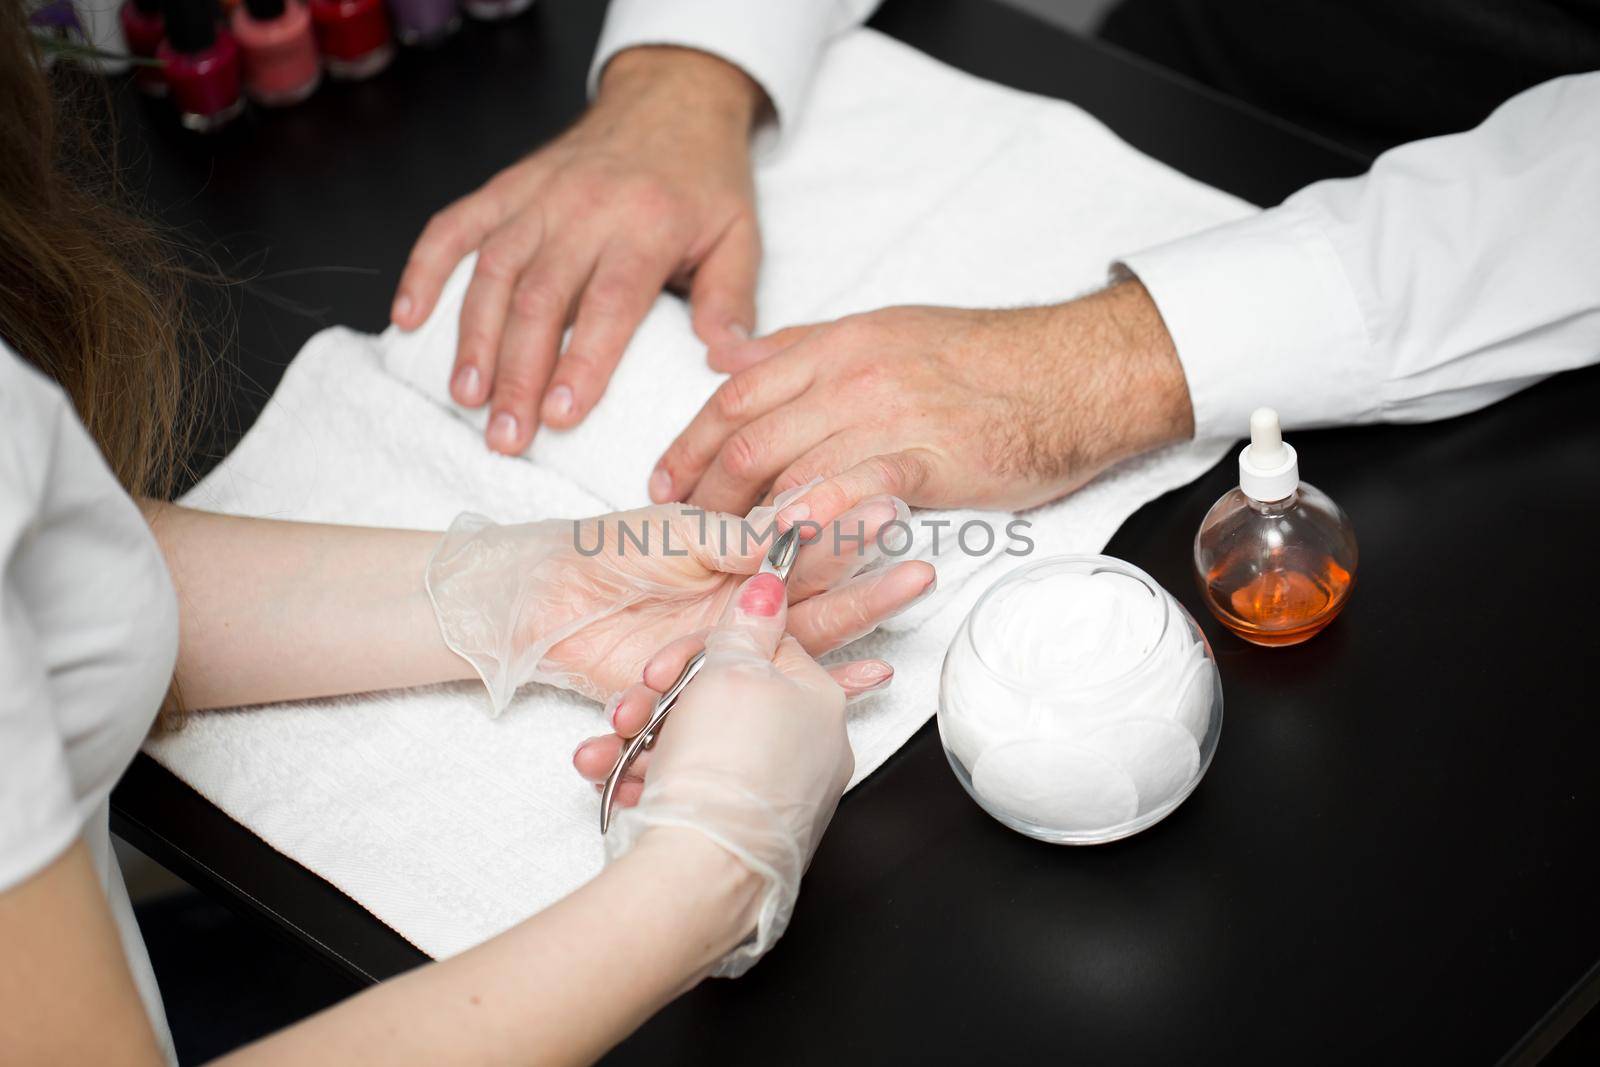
{"x":353,"y":37}
{"x":1275,"y":558}
{"x":201,"y":62}
{"x":424,"y":22}
{"x":144,"y":28}
{"x":280,"y":55}
{"x":495,"y":10}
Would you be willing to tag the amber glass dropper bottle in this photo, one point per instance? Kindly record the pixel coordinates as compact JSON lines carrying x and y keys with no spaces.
{"x":1275,"y":558}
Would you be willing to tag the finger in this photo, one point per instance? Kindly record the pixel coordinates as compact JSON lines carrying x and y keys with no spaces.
{"x":735,"y":356}
{"x":663,"y":668}
{"x":737,"y":401}
{"x":631,"y":709}
{"x":483,"y":311}
{"x":723,"y":294}
{"x":624,"y":286}
{"x":758,"y":452}
{"x":829,"y":620}
{"x":752,"y":625}
{"x":840,"y":549}
{"x":849,"y":479}
{"x":594,"y":758}
{"x":448,"y":236}
{"x":541,"y":303}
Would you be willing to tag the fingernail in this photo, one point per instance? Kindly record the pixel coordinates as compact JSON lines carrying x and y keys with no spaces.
{"x":503,"y":430}
{"x":927,"y":591}
{"x":612,"y":707}
{"x":402,"y":308}
{"x":661,"y":486}
{"x":796,"y":512}
{"x":467,"y":379}
{"x":559,"y":403}
{"x":585,"y":743}
{"x":762,"y":596}
{"x":873,"y":676}
{"x":739,"y":330}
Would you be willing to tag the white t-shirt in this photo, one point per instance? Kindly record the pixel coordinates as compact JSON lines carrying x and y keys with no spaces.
{"x":88,"y":639}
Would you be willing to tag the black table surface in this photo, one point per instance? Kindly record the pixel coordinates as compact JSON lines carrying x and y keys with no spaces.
{"x":1393,"y":855}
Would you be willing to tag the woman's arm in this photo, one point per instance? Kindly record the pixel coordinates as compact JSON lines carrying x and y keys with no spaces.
{"x":276,"y":611}
{"x":561,"y":987}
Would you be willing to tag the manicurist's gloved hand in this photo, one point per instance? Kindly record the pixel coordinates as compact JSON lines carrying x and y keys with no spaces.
{"x":651,"y":187}
{"x":942,"y":407}
{"x":754,"y":756}
{"x":584,"y":604}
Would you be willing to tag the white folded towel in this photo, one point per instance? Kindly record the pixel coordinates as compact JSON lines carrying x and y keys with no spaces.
{"x":905,"y":182}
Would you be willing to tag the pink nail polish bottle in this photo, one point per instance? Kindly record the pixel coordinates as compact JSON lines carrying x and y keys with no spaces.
{"x":280,"y":54}
{"x":144,"y":28}
{"x":202,"y":66}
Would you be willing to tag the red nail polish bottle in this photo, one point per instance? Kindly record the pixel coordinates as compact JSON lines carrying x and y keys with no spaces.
{"x":280,"y":56}
{"x":143,"y":28}
{"x":353,"y":36}
{"x":202,"y":66}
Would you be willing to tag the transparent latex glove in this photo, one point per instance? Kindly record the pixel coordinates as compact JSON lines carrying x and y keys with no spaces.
{"x":582,"y":604}
{"x":754,"y":756}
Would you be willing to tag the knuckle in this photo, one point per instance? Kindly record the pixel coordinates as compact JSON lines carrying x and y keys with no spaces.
{"x":577,"y":369}
{"x":537,"y":299}
{"x":514,"y":391}
{"x":610,"y":297}
{"x":475,"y":346}
{"x":742,"y":456}
{"x":885,"y":471}
{"x":498,"y":262}
{"x":734,"y":397}
{"x":865,"y":375}
{"x":441,"y":225}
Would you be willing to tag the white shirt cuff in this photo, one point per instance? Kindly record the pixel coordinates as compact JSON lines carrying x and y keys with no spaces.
{"x":776,"y":44}
{"x":1261,"y":313}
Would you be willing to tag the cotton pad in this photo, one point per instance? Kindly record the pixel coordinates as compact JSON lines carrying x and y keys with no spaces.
{"x":1056,"y":784}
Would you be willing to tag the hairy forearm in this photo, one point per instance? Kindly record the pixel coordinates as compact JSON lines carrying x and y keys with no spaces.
{"x":685,"y":85}
{"x":273,"y":611}
{"x":1122,"y":387}
{"x":561,"y":987}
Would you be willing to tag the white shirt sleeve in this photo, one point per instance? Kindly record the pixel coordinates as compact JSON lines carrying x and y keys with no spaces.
{"x":38,"y":812}
{"x":776,"y":42}
{"x":1457,"y":271}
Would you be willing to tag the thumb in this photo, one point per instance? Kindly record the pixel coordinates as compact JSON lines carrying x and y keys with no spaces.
{"x":723,"y":293}
{"x":752,"y":625}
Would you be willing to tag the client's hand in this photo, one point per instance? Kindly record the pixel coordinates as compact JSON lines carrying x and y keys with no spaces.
{"x":941,"y":407}
{"x":651,"y":187}
{"x":754,"y":757}
{"x":583,"y":604}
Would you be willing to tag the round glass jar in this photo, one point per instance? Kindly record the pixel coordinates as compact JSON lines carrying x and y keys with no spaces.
{"x":1079,"y":702}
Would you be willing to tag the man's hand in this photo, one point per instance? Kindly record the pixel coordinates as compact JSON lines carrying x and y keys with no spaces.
{"x":652,"y":187}
{"x":940,"y":407}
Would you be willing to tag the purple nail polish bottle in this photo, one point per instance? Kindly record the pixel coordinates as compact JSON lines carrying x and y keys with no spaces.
{"x":424,"y":22}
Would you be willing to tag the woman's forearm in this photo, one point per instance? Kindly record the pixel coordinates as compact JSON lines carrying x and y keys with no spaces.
{"x":561,"y":987}
{"x":274,"y":611}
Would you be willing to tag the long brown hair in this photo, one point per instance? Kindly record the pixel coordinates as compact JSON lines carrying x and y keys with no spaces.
{"x":89,"y":293}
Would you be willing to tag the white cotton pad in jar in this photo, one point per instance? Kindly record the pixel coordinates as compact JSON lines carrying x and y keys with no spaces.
{"x":1079,"y":702}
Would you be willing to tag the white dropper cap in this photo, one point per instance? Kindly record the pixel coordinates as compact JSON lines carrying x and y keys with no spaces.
{"x":1268,"y":467}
